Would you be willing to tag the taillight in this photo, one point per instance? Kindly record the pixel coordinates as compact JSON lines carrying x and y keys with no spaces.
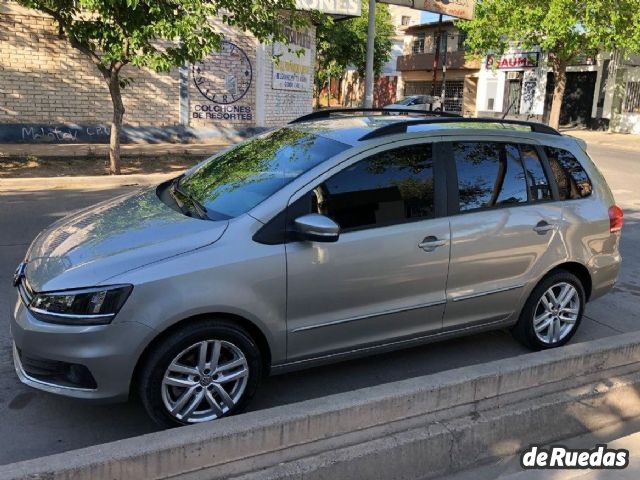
{"x":616,"y":218}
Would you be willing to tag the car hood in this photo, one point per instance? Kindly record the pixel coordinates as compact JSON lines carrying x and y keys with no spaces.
{"x":130,"y":231}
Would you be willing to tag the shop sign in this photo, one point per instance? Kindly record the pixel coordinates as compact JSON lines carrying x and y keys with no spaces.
{"x":292,"y":69}
{"x":518,"y":60}
{"x":453,"y":8}
{"x":349,"y":8}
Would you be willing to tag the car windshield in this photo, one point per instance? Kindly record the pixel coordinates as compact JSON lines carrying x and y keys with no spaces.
{"x":235,"y":181}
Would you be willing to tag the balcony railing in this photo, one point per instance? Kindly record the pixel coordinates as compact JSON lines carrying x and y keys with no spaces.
{"x":424,"y":61}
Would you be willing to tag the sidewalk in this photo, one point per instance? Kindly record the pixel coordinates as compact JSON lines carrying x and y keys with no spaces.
{"x":89,"y":149}
{"x":627,"y":437}
{"x":615,"y":140}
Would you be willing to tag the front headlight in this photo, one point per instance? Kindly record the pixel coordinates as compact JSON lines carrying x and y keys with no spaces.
{"x":87,"y":306}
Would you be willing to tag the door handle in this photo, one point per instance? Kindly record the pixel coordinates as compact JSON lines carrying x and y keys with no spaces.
{"x":430,"y":243}
{"x":543,"y":227}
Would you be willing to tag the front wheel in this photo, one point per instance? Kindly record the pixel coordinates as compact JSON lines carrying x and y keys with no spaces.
{"x":205,"y":371}
{"x":552,"y":313}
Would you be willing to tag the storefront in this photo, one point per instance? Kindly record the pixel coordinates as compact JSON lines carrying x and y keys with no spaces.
{"x":53,"y":93}
{"x":519,"y":84}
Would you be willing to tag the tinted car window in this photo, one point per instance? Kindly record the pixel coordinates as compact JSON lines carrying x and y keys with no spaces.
{"x":571,"y":178}
{"x":236,"y":181}
{"x":392,"y":187}
{"x":489,"y":175}
{"x":537,"y":181}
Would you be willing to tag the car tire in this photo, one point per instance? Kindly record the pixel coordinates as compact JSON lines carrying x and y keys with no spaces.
{"x":543,"y":324}
{"x":176,"y":375}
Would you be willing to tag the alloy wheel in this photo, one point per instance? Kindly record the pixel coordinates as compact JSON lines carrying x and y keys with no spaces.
{"x":205,"y":381}
{"x":556,"y":313}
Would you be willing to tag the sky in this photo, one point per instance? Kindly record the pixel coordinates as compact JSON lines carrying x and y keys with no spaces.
{"x":431,"y":17}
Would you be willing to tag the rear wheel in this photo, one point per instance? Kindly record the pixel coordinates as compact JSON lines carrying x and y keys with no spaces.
{"x":552,"y":313}
{"x":203,"y":372}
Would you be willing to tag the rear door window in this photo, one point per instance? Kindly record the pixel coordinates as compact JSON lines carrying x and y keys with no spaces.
{"x":490,"y":174}
{"x":573,"y":182}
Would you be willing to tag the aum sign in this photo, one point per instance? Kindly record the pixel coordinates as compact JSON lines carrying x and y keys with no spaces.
{"x":517,"y":61}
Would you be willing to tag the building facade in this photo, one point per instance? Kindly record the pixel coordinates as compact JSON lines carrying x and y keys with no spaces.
{"x":417,"y":63}
{"x":519,"y":84}
{"x":50,"y":92}
{"x":617,"y":102}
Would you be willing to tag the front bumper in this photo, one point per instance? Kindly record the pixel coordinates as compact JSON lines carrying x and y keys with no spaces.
{"x":109,"y":353}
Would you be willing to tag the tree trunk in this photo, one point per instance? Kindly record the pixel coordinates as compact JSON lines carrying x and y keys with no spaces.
{"x":560,"y":82}
{"x":329,"y":92}
{"x":116,"y":124}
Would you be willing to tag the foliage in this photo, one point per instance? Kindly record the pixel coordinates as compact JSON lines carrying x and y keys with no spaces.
{"x":341,"y":44}
{"x":157,"y":34}
{"x":565,"y":28}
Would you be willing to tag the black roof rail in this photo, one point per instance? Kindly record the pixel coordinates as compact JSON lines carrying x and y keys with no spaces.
{"x":326,"y":113}
{"x":401,"y":127}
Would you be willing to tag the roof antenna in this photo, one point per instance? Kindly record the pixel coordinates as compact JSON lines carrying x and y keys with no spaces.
{"x":511,"y":105}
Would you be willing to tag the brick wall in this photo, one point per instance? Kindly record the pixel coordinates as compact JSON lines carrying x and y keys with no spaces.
{"x":44,"y":80}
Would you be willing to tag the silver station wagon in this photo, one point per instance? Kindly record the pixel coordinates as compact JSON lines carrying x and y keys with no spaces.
{"x":345,"y":233}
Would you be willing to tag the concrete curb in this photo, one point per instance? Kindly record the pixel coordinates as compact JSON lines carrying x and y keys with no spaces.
{"x":367,"y":414}
{"x":83,"y":182}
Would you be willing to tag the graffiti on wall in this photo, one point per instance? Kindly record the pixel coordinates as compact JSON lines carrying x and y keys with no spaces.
{"x":62,"y":134}
{"x":53,"y":133}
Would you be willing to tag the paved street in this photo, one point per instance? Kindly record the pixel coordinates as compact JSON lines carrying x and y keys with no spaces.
{"x":35,"y":424}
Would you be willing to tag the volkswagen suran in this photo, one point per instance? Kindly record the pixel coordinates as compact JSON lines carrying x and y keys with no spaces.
{"x":345,"y":233}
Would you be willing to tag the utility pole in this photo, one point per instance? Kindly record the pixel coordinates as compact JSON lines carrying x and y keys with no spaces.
{"x":436,"y":59}
{"x":444,"y":71}
{"x":371,"y":34}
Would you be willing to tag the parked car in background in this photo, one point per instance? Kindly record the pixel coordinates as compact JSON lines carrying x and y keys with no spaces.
{"x":336,"y":236}
{"x":417,"y":102}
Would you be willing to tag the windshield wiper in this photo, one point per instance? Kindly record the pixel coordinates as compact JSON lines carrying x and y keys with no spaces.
{"x":175,"y":190}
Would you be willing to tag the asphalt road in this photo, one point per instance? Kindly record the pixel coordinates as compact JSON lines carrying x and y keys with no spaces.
{"x":34,"y":424}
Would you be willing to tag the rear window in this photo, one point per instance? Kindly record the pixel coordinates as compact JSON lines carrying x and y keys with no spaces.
{"x":573,"y":182}
{"x":234,"y":182}
{"x":489,"y":175}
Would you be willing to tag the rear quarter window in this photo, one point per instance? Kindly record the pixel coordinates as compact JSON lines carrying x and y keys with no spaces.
{"x":573,"y":182}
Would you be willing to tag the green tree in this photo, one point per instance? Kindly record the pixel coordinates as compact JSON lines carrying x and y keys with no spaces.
{"x":156,"y":34}
{"x":565,"y":29}
{"x":343,"y":43}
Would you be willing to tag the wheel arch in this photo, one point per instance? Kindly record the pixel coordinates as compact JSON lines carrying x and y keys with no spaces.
{"x":252,"y":329}
{"x":579,"y":271}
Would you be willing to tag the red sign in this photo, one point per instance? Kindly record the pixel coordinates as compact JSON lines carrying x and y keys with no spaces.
{"x":514,"y":60}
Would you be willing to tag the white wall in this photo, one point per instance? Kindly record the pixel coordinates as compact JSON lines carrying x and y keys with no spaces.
{"x":629,"y":122}
{"x":535,"y":78}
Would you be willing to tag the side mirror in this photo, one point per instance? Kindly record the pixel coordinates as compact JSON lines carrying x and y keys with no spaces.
{"x":316,"y":228}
